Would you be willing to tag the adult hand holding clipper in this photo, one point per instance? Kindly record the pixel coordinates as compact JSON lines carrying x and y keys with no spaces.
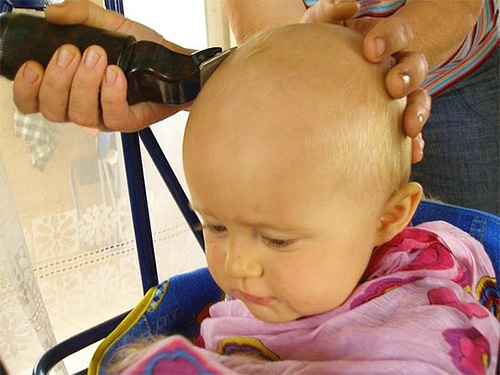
{"x":147,"y":79}
{"x":154,"y":73}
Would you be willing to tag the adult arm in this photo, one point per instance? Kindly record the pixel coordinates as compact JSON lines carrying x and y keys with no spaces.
{"x":439,"y":27}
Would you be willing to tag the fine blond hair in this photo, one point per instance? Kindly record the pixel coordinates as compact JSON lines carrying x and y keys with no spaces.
{"x":355,"y":121}
{"x":131,"y":353}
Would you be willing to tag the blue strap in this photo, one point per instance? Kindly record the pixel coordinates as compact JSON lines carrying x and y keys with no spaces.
{"x":8,"y":5}
{"x":5,"y":6}
{"x":116,"y":5}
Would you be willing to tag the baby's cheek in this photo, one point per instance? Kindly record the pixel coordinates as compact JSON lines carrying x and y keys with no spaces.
{"x":288,"y":280}
{"x":215,"y":256}
{"x":310,"y":289}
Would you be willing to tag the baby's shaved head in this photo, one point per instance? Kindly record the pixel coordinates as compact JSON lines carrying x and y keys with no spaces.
{"x":303,"y":97}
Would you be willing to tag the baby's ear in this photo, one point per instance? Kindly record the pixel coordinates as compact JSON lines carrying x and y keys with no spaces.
{"x":398,"y":212}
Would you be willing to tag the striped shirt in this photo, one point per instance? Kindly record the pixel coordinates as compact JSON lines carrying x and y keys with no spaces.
{"x":478,"y":45}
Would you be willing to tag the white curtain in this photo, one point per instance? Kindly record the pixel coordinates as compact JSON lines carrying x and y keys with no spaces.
{"x":67,"y":250}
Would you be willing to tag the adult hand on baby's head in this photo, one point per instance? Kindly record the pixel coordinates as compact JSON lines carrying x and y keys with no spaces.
{"x":83,"y":89}
{"x":384,"y":37}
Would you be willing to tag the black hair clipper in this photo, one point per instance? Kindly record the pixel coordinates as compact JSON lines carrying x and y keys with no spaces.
{"x":154,"y":73}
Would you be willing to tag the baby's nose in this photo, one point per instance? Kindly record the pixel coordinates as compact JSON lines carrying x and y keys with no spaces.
{"x":242,"y":259}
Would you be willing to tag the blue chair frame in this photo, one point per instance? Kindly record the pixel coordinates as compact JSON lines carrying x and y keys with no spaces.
{"x":143,"y":236}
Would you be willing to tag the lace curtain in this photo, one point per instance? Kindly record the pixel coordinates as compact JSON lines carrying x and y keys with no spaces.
{"x":67,"y":251}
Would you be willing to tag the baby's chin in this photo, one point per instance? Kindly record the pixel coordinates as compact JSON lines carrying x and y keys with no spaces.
{"x":274,"y":314}
{"x":282,"y":314}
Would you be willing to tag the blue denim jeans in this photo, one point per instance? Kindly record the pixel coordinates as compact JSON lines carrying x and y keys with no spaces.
{"x":461,"y":162}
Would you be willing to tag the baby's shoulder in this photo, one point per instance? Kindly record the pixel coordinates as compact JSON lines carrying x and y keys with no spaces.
{"x":435,"y":245}
{"x":435,"y":255}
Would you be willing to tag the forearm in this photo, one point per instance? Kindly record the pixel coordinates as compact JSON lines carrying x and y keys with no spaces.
{"x":439,"y":26}
{"x":249,"y":16}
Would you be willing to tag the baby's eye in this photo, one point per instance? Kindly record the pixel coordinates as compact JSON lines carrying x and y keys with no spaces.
{"x":277,"y":242}
{"x":215,"y":228}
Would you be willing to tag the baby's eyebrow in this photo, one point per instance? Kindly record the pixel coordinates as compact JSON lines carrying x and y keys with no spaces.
{"x":263,"y":225}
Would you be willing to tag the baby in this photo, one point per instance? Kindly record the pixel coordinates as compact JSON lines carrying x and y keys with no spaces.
{"x":297,"y":164}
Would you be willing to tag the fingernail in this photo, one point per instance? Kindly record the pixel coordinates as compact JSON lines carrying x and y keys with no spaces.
{"x":405,"y":80}
{"x":420,"y":156}
{"x":59,"y":5}
{"x":379,"y":47}
{"x":111,"y":76}
{"x":29,"y":75}
{"x":91,"y":58}
{"x":420,"y":118}
{"x":64,"y":58}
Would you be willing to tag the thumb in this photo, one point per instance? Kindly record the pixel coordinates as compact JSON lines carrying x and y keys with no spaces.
{"x":73,"y":12}
{"x":330,"y":11}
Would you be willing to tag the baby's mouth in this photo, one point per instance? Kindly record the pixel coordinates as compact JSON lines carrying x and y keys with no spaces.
{"x":262,"y":301}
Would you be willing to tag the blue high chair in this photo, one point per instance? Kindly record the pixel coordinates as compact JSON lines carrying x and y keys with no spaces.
{"x":177,"y":305}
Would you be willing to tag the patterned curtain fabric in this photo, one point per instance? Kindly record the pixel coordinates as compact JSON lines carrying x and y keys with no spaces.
{"x":67,"y":249}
